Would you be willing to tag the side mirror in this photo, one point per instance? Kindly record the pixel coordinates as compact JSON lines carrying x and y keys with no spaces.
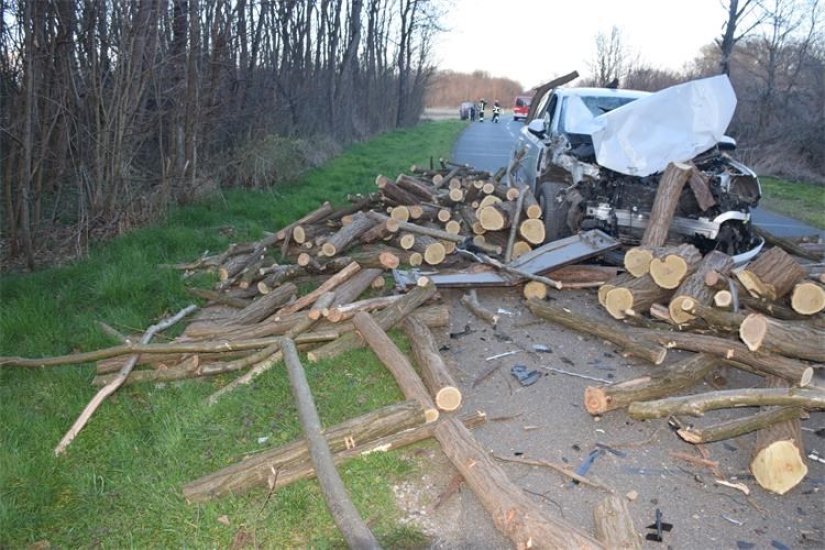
{"x":536,"y":127}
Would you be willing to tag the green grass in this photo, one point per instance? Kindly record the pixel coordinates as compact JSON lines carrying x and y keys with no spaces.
{"x":119,"y":483}
{"x":802,"y":201}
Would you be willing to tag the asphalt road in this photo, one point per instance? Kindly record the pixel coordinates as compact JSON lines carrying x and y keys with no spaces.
{"x":487,"y":146}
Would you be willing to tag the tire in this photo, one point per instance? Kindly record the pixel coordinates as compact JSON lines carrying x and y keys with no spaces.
{"x":553,"y":211}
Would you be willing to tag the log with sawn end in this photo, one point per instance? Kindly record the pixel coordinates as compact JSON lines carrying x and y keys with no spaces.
{"x":664,"y":204}
{"x":693,"y":286}
{"x":738,"y":426}
{"x":798,"y":339}
{"x":771,"y":275}
{"x":645,"y":349}
{"x":670,"y":270}
{"x":614,"y":524}
{"x":431,"y":364}
{"x":666,"y":381}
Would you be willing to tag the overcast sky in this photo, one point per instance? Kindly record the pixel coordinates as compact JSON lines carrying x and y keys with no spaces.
{"x":533,"y":41}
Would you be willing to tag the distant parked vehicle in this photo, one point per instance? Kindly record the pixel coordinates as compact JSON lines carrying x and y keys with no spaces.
{"x":521,"y":107}
{"x":465,"y":110}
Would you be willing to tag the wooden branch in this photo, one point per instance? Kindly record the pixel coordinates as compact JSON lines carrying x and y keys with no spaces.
{"x":786,"y":244}
{"x":664,"y":205}
{"x":342,"y":312}
{"x":614,"y":524}
{"x":697,"y":405}
{"x":647,"y":350}
{"x":327,"y":286}
{"x":738,"y":426}
{"x":112,"y":386}
{"x":667,"y":381}
{"x":470,"y":300}
{"x":340,"y":506}
{"x":266,"y":305}
{"x":431,"y":364}
{"x":255,"y":470}
{"x":396,"y":362}
{"x":693,"y":286}
{"x":513,"y":513}
{"x":796,"y":372}
{"x":386,"y":318}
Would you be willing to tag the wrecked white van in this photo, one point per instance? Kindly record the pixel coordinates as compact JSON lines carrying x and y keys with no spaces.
{"x":594,"y":157}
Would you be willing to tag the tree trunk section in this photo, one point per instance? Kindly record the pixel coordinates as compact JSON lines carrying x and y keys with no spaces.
{"x":266,"y":305}
{"x":778,"y":462}
{"x":636,"y":294}
{"x":327,"y":286}
{"x":693,"y":287}
{"x":671,"y":379}
{"x":669,"y":271}
{"x":790,"y":338}
{"x":396,"y":362}
{"x":337,"y":499}
{"x":808,"y":298}
{"x":664,"y":205}
{"x":772,"y":274}
{"x":513,"y":513}
{"x":739,"y":426}
{"x":644,"y":349}
{"x":431,"y":364}
{"x":348,"y":234}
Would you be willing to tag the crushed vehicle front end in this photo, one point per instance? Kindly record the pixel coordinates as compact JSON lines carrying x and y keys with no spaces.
{"x":619,"y":201}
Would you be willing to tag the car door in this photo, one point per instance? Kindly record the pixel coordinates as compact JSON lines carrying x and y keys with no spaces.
{"x":530,"y":146}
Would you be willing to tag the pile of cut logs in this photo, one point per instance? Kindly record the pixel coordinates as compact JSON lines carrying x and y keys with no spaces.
{"x":765,"y":318}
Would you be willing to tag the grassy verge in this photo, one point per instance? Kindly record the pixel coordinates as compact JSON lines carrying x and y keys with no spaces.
{"x":802,"y":201}
{"x":118,"y":485}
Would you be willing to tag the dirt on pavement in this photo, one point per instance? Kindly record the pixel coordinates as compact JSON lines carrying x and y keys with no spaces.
{"x":547,"y":421}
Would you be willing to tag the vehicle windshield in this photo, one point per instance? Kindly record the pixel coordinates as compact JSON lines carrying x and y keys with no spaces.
{"x":597,"y":105}
{"x":522,"y":102}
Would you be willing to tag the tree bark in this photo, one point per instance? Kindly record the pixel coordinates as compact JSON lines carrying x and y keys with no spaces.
{"x":790,"y":338}
{"x":327,"y":286}
{"x":347,"y":235}
{"x":256,"y":470}
{"x":670,"y":270}
{"x":697,"y":405}
{"x":644,"y":349}
{"x":513,"y":513}
{"x":664,"y":205}
{"x":671,"y":379}
{"x":396,"y":362}
{"x":431,"y":364}
{"x":266,"y":305}
{"x":693,"y":287}
{"x":739,"y":426}
{"x":636,"y":294}
{"x":771,"y":275}
{"x":386,"y":319}
{"x":340,"y":506}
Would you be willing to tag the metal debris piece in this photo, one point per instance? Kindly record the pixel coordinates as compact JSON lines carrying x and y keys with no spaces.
{"x":525,"y":376}
{"x":660,"y":526}
{"x":500,"y":355}
{"x":577,"y":375}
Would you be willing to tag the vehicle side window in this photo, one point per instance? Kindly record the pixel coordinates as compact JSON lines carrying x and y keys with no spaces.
{"x":551,"y":110}
{"x":540,"y":108}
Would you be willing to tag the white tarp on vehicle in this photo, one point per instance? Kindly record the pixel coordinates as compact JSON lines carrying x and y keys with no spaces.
{"x":672,"y":125}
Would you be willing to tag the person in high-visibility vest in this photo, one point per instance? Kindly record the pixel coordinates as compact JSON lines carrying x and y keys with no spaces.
{"x":482,"y":104}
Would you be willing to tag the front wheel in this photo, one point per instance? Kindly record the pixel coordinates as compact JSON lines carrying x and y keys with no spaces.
{"x":554,"y":207}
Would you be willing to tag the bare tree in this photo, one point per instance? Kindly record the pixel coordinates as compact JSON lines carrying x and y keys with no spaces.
{"x":611,"y":61}
{"x":748,"y":14}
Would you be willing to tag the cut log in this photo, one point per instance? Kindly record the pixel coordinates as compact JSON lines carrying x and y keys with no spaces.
{"x":279,"y":275}
{"x":532,"y":230}
{"x":808,"y":298}
{"x":395,"y":194}
{"x":637,"y":260}
{"x":644,"y":349}
{"x":612,"y":283}
{"x":797,"y":339}
{"x":739,"y":426}
{"x":340,"y":506}
{"x":498,"y":216}
{"x":400,"y":213}
{"x":315,"y":216}
{"x":796,"y":372}
{"x":386,"y":319}
{"x":583,"y":275}
{"x":531,"y":206}
{"x":771,"y":275}
{"x":671,"y":379}
{"x":416,"y":187}
{"x":434,"y":371}
{"x":266,"y":305}
{"x":257,"y":469}
{"x":327,"y":286}
{"x":669,"y":271}
{"x":614,"y":524}
{"x":717,"y":319}
{"x":664,"y":205}
{"x":520,"y":248}
{"x":535,"y":290}
{"x":636,"y":294}
{"x":396,"y":362}
{"x":513,"y":513}
{"x":693,"y":287}
{"x":697,"y":405}
{"x":338,"y":313}
{"x":778,"y":462}
{"x":347,"y":235}
{"x":395,"y":226}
